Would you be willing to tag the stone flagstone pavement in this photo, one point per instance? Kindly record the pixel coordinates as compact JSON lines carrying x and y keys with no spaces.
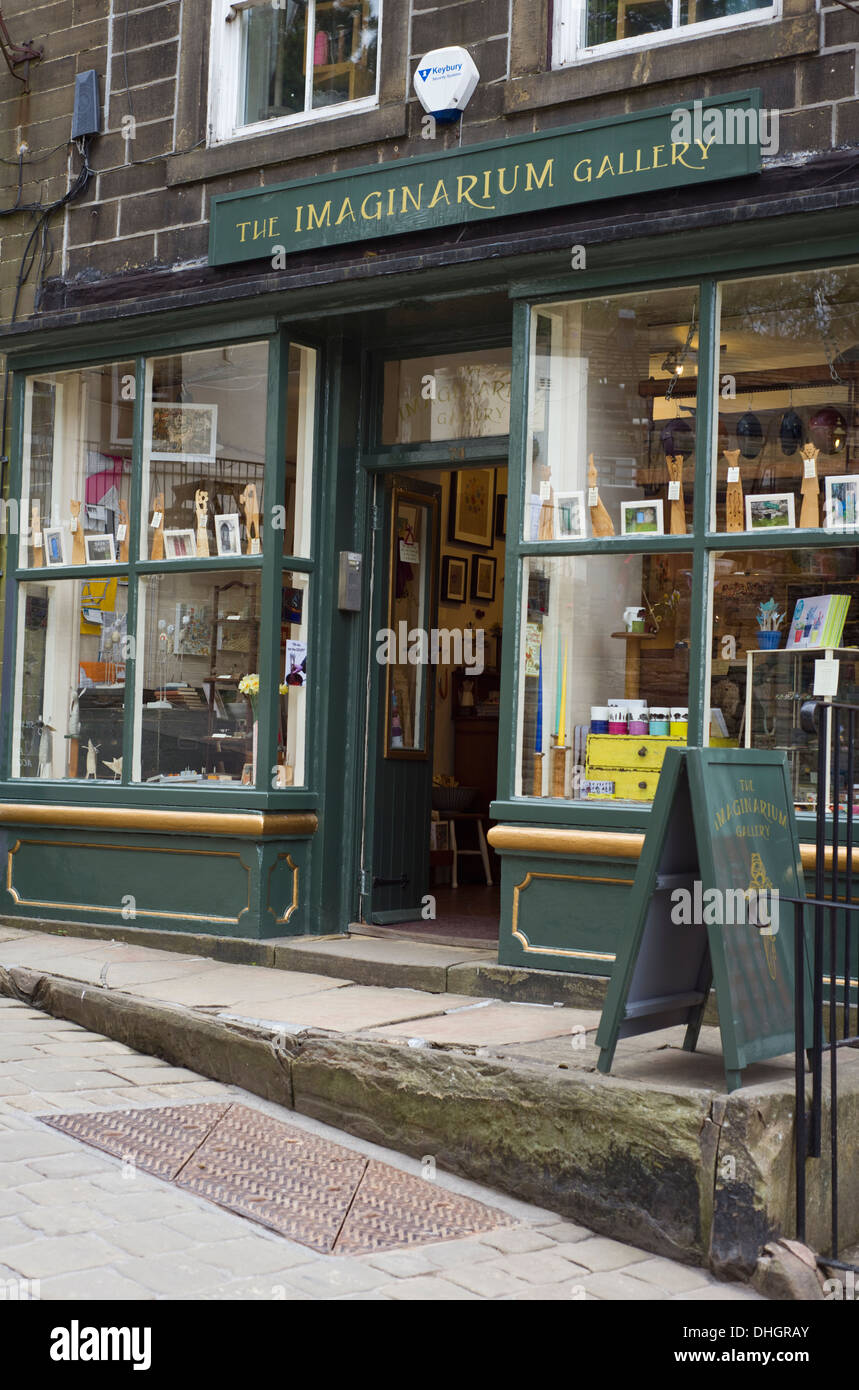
{"x":77,"y":1225}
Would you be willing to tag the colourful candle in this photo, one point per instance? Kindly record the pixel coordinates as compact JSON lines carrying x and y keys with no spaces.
{"x":558,"y":682}
{"x":562,"y":718}
{"x":539,"y":745}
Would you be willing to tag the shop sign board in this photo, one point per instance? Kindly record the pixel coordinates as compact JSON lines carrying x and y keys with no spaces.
{"x":629,"y":154}
{"x":722,"y":828}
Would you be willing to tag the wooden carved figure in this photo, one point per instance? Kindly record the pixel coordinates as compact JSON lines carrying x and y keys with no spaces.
{"x":601,"y":522}
{"x":78,"y":547}
{"x":91,"y":759}
{"x":123,"y":531}
{"x":36,"y":528}
{"x":735,"y":519}
{"x":115,"y":765}
{"x":201,"y":506}
{"x":809,"y":514}
{"x":248,"y":499}
{"x":677,"y":526}
{"x":156,"y":549}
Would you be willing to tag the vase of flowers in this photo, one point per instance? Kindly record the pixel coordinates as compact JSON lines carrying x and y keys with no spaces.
{"x":249,"y":687}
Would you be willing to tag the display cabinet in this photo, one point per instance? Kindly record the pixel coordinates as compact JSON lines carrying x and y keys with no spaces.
{"x":777,"y":684}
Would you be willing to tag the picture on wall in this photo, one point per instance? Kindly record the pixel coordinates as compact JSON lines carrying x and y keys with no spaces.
{"x":501,"y":516}
{"x":184,"y":433}
{"x":570,"y":513}
{"x":483,"y":577}
{"x":841,"y":508}
{"x":642,"y":518}
{"x":472,"y":507}
{"x":770,"y":512}
{"x":454,"y":572}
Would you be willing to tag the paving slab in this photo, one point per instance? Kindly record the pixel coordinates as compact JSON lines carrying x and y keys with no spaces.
{"x":38,"y":1259}
{"x":236,"y":987}
{"x":496,"y":1023}
{"x":376,"y":961}
{"x":359,"y":1007}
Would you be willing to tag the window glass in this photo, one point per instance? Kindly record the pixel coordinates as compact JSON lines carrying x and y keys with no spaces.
{"x":788,"y":434}
{"x":70,"y":687}
{"x":462,"y":395}
{"x":290,"y":763}
{"x":610,"y":20}
{"x":775,"y":613}
{"x":603,"y":674}
{"x":612,"y":406}
{"x":204,"y":453}
{"x":76,"y":478}
{"x":300,"y":441}
{"x":340,"y":39}
{"x":199,"y":640}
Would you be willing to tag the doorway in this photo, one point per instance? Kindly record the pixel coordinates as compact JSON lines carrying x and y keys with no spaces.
{"x":434,"y":677}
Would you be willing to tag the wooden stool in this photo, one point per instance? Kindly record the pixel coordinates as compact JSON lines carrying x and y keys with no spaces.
{"x":481,"y":850}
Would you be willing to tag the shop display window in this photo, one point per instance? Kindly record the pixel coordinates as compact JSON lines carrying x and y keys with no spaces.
{"x":196,"y":648}
{"x":604,"y":674}
{"x":69,"y":697}
{"x":301,"y":57}
{"x":787,"y":442}
{"x":611,"y":438}
{"x":76,"y":474}
{"x":204,"y":454}
{"x":776,"y":614}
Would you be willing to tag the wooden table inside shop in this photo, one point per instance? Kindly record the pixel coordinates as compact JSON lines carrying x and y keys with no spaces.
{"x":632,"y":679}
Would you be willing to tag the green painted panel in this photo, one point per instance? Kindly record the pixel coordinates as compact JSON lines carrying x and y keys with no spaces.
{"x":636,"y":153}
{"x":562,"y":913}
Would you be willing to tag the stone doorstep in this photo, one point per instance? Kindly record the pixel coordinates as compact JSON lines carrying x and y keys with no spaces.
{"x":390,"y":962}
{"x":634,"y":1160}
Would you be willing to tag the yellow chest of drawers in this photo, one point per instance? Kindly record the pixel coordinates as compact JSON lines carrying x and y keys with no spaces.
{"x":626,"y":767}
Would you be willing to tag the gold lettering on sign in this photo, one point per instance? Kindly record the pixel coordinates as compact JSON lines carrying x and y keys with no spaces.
{"x":464,"y":195}
{"x":606,"y":167}
{"x":345,"y":211}
{"x":440,"y":192}
{"x":298,"y":211}
{"x":638,"y":166}
{"x":505,"y":192}
{"x":372,"y":216}
{"x":242,"y":226}
{"x":583,"y":178}
{"x":656,"y":164}
{"x":318,"y":219}
{"x":531,"y":175}
{"x":416,"y":202}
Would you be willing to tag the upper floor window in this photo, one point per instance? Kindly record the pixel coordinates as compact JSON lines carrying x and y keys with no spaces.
{"x":286,"y":61}
{"x":587,"y":28}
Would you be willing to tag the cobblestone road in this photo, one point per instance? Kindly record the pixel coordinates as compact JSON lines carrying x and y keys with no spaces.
{"x":72,"y":1219}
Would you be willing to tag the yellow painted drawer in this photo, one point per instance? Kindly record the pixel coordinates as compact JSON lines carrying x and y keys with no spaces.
{"x":628,"y":786}
{"x":628,"y":751}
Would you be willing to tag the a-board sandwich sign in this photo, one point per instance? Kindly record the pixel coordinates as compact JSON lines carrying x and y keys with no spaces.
{"x":720,"y":855}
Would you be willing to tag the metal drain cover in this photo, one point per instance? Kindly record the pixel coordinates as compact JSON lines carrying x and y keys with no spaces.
{"x":318,"y":1193}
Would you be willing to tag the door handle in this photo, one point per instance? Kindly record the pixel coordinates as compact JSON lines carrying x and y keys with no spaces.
{"x":391,"y":882}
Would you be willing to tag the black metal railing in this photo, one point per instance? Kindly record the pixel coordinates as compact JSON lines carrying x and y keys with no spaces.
{"x":826,"y":945}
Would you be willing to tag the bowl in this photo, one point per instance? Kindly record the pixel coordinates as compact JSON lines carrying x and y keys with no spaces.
{"x":452,"y":798}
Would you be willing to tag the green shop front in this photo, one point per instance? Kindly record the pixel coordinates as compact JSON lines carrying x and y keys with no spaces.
{"x":368,"y":581}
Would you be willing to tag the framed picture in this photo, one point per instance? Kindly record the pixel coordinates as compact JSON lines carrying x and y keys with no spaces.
{"x":228,"y":534}
{"x":179,"y":545}
{"x":642,"y":518}
{"x":454,"y":578}
{"x":483,"y":577}
{"x":501,"y":516}
{"x":772,"y":511}
{"x":841,"y":508}
{"x":100,"y":550}
{"x":183,"y":433}
{"x":472,"y":507}
{"x":570,"y":514}
{"x":439,"y":835}
{"x":54,"y":542}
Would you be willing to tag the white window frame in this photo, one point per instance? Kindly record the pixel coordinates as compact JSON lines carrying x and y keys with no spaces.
{"x":226,"y":77}
{"x":569,"y":27}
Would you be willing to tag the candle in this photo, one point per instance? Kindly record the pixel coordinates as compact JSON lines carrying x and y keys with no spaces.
{"x":558,"y":682}
{"x":562,"y":717}
{"x":539,"y":744}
